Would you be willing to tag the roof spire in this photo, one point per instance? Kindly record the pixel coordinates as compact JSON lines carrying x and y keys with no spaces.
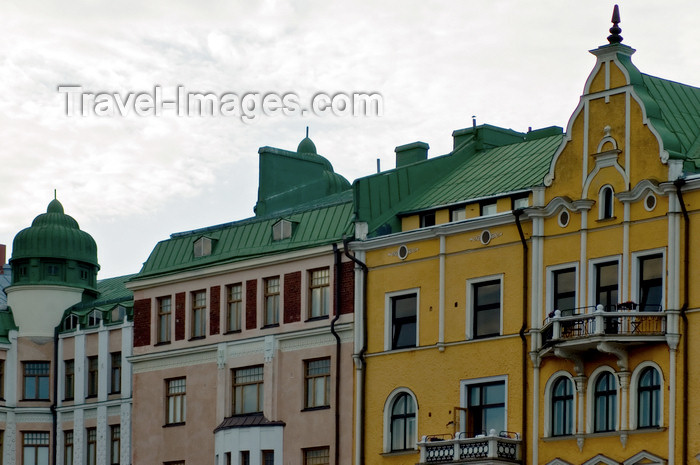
{"x":615,"y":30}
{"x":54,"y":194}
{"x":307,"y":131}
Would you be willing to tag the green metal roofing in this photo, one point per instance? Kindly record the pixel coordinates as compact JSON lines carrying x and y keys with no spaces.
{"x":55,"y":235}
{"x":318,"y":222}
{"x":679,"y":106}
{"x":7,"y":323}
{"x":486,"y":161}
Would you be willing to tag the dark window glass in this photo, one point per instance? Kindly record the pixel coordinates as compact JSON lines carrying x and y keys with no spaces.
{"x":403,"y":319}
{"x":605,"y":403}
{"x":427,"y":220}
{"x":564,"y":290}
{"x":606,"y":285}
{"x":650,"y":282}
{"x":403,"y":423}
{"x":562,"y":407}
{"x":649,"y":396}
{"x":36,"y":380}
{"x":486,"y":407}
{"x":487,"y":309}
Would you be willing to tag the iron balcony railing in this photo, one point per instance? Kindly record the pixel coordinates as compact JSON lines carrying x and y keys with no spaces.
{"x":503,"y":447}
{"x":621,"y":319}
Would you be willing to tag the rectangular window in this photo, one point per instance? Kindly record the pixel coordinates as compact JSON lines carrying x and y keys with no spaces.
{"x":69,"y":384}
{"x":234,"y":305}
{"x":488,"y":208}
{"x":651,"y":282}
{"x":91,"y":446}
{"x":317,"y":456}
{"x":486,"y":407}
{"x":268,"y":457}
{"x":404,"y":319}
{"x":520,"y":202}
{"x":319,"y":293}
{"x":248,"y":390}
{"x":68,"y":448}
{"x":115,"y":379}
{"x":606,"y":285}
{"x":272,"y":301}
{"x":115,"y":444}
{"x":317,"y":374}
{"x":36,"y":380}
{"x":2,"y":381}
{"x":176,"y":405}
{"x":164,"y":312}
{"x":486,"y":305}
{"x":35,"y":448}
{"x":199,"y":315}
{"x":458,"y":214}
{"x":564,"y":292}
{"x":93,"y":376}
{"x":245,"y":457}
{"x":427,"y":220}
{"x":227,"y":459}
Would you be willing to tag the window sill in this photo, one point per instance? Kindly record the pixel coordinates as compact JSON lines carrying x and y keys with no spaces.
{"x":163,"y":343}
{"x":233,"y":331}
{"x":604,"y":434}
{"x":313,"y":409}
{"x":605,"y":220}
{"x":399,"y":452}
{"x":35,"y":400}
{"x":273,"y":325}
{"x":171,"y":425}
{"x":195,"y":338}
{"x":317,"y":318}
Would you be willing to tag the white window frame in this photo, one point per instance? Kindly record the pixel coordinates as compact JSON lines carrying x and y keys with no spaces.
{"x":388,"y":406}
{"x":470,"y":303}
{"x":549,"y":297}
{"x":633,"y":392}
{"x":601,"y":202}
{"x":634,"y":290}
{"x":590,"y":398}
{"x":465,"y":383}
{"x":388,"y":316}
{"x":549,"y":385}
{"x":593,"y":283}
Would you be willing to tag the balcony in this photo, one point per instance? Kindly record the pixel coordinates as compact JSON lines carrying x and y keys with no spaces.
{"x":583,"y":328}
{"x":501,"y":448}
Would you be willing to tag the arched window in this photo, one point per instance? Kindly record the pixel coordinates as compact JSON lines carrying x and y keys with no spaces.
{"x":605,"y":416}
{"x":94,"y":318}
{"x":403,"y":423}
{"x":70,"y":323}
{"x":648,"y":398}
{"x":562,"y":407}
{"x":605,"y":197}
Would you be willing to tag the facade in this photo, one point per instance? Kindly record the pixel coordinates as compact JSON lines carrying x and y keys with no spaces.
{"x":243,"y":331}
{"x":529,"y":296}
{"x":64,"y":342}
{"x":5,"y":275}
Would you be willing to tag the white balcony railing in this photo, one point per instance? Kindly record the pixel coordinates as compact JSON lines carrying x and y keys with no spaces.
{"x":498,"y":447}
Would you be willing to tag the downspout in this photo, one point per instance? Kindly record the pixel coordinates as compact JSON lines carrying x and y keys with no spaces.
{"x":360,"y":357}
{"x":523,"y":329}
{"x":336,"y":291}
{"x":54,"y":413}
{"x":679,"y":183}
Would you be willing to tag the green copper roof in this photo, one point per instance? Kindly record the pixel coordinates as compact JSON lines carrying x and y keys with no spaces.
{"x":486,"y":161}
{"x":55,"y":235}
{"x":7,"y":323}
{"x":315,"y":223}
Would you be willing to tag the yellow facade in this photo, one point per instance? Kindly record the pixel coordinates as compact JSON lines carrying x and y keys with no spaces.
{"x":588,"y":353}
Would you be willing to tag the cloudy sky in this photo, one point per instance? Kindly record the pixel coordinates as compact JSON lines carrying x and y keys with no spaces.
{"x":132,"y":180}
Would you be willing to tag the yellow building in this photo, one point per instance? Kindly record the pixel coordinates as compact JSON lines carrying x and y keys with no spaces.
{"x":527,"y":298}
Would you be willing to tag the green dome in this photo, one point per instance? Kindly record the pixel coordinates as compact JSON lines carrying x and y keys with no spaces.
{"x":55,"y":235}
{"x":306,"y":146}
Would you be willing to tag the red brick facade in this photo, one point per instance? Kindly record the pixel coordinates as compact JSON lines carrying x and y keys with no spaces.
{"x":142,"y":322}
{"x":180,"y":316}
{"x":347,"y":287}
{"x":214,"y":305}
{"x":292,"y":297}
{"x":251,"y":304}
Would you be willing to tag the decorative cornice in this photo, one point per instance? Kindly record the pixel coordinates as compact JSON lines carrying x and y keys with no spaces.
{"x":557,"y":203}
{"x":640,"y":190}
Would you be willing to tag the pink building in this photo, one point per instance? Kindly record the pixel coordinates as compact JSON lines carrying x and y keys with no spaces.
{"x":243,"y":332}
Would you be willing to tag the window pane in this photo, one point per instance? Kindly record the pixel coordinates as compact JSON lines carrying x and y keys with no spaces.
{"x":494,"y":418}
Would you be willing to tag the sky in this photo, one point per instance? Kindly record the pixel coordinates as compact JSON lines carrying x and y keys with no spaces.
{"x":130,"y":179}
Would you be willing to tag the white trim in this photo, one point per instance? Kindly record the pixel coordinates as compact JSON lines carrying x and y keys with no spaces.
{"x":601,"y":202}
{"x":388,"y":404}
{"x":634,"y":287}
{"x":600,"y":458}
{"x":464,"y":383}
{"x":645,"y":458}
{"x":590,"y":398}
{"x":388,"y":320}
{"x":634,"y":383}
{"x":549,"y":298}
{"x":469,"y":330}
{"x":549,"y":385}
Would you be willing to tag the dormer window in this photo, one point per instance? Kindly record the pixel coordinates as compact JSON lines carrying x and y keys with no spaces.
{"x":117,"y":314}
{"x":70,"y":323}
{"x":605,"y":199}
{"x":202,"y":247}
{"x":94,"y":318}
{"x":281,"y":230}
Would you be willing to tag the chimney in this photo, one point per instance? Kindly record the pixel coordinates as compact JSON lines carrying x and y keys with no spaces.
{"x":411,"y":153}
{"x":3,"y":256}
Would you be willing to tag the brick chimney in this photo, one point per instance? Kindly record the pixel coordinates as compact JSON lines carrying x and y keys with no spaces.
{"x":3,"y":256}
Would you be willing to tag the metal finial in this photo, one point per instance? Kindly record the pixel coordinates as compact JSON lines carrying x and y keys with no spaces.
{"x":307,"y":131}
{"x":54,"y":194}
{"x":615,"y":37}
